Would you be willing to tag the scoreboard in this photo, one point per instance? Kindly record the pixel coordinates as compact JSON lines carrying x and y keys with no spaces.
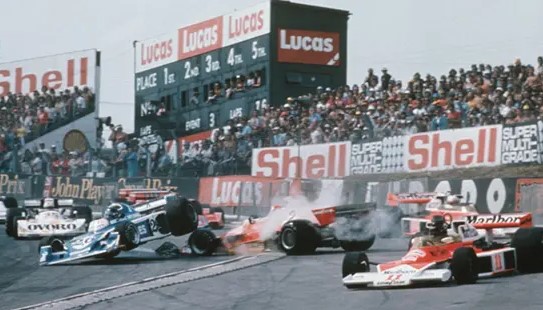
{"x":289,"y":48}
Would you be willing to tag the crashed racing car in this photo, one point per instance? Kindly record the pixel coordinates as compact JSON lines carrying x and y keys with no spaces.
{"x":456,"y":251}
{"x":293,"y":230}
{"x":123,"y":228}
{"x":46,"y":217}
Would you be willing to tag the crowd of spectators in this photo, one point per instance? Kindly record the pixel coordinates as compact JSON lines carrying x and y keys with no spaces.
{"x":380,"y":106}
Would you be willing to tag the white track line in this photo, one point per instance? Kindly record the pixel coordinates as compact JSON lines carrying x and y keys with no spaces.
{"x":109,"y":293}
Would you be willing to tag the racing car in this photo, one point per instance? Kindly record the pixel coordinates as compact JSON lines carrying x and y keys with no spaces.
{"x":456,"y":250}
{"x":417,"y":208}
{"x":46,"y":217}
{"x":123,"y":228}
{"x":211,"y":217}
{"x":296,"y":231}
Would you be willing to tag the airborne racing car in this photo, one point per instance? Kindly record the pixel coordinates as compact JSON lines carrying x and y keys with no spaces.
{"x":123,"y":228}
{"x":46,"y":217}
{"x":294,"y":230}
{"x":213,"y":218}
{"x":463,"y":253}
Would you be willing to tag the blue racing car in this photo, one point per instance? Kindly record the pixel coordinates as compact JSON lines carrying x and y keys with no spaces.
{"x":123,"y":228}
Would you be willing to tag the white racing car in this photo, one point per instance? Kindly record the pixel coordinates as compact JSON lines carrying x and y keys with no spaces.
{"x":47,"y":217}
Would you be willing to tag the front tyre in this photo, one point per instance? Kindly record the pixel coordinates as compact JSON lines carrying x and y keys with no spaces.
{"x":202,"y":242}
{"x":464,"y":266}
{"x":129,"y":235}
{"x":354,"y":262}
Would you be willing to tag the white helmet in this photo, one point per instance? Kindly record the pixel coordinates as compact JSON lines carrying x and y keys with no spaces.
{"x":452,"y":200}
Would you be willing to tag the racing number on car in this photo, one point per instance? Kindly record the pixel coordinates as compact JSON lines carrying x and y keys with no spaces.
{"x":394,"y":277}
{"x":498,"y":265}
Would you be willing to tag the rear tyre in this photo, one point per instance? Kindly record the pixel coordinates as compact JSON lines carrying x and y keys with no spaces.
{"x":298,"y":238}
{"x":528,"y":244}
{"x":202,"y":242}
{"x":354,"y":262}
{"x":464,"y":266}
{"x":12,"y":216}
{"x":129,"y":235}
{"x":56,"y":243}
{"x":357,"y":245}
{"x":10,"y":203}
{"x":182,"y":217}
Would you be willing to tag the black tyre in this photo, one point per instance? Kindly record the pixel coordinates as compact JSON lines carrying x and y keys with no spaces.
{"x":12,"y":216}
{"x":83,"y":212}
{"x":464,"y":266}
{"x":197,"y":206}
{"x":221,"y":224}
{"x":181,"y":216}
{"x":10,"y":203}
{"x":354,"y":262}
{"x":298,"y":238}
{"x":528,"y":244}
{"x":56,"y":243}
{"x":129,"y":235}
{"x":203,"y":242}
{"x":357,"y":245}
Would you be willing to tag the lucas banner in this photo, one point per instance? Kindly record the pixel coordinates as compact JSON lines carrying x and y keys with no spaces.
{"x":521,"y":143}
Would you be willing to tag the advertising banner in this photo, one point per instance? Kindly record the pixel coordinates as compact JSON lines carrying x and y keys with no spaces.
{"x":327,"y":160}
{"x":455,"y":148}
{"x":308,"y":47}
{"x":58,"y":72}
{"x":520,"y":144}
{"x":101,"y":191}
{"x":156,"y":52}
{"x":246,"y":24}
{"x":383,"y":156}
{"x":231,"y":191}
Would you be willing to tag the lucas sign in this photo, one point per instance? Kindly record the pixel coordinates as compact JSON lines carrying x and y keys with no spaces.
{"x":308,"y":47}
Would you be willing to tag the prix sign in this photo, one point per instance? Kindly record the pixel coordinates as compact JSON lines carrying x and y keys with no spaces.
{"x":57,"y":72}
{"x":457,"y":148}
{"x":308,"y":47}
{"x":307,"y":161}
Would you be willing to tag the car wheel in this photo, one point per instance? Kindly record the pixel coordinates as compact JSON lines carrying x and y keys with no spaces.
{"x":129,"y":235}
{"x":528,"y":244}
{"x":196,"y":205}
{"x":357,"y":245}
{"x":202,"y":242}
{"x":298,"y":238}
{"x":56,"y":243}
{"x":354,"y":262}
{"x":12,"y":216}
{"x":182,"y":217}
{"x":464,"y":266}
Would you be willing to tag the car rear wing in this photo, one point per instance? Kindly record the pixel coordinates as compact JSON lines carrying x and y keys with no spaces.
{"x":394,"y":200}
{"x":359,"y":208}
{"x":57,"y":203}
{"x":136,"y":196}
{"x":154,"y":204}
{"x":505,"y":220}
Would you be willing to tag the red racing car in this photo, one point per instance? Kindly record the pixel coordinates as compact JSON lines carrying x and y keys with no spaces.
{"x":456,"y":250}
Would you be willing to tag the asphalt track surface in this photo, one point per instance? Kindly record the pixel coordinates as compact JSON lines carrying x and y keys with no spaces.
{"x":308,"y":282}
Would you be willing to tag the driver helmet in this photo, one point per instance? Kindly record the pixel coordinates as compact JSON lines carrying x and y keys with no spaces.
{"x":114,"y":212}
{"x":452,"y":200}
{"x":437,"y":226}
